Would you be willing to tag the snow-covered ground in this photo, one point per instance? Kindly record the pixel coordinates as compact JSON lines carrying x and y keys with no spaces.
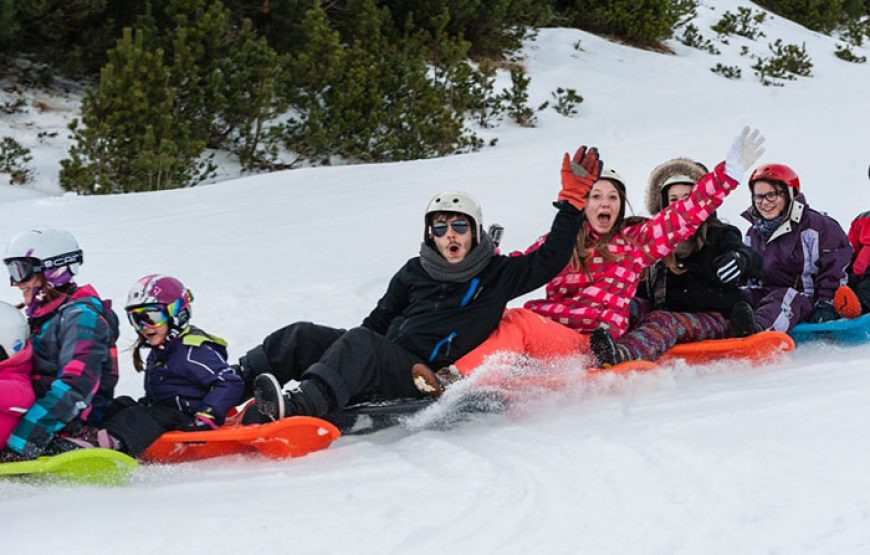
{"x":722,"y":459}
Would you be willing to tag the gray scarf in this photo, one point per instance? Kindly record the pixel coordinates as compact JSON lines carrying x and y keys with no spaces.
{"x":438,"y":268}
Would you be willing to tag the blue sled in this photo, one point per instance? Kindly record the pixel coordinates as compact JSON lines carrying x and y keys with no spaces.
{"x":846,"y":332}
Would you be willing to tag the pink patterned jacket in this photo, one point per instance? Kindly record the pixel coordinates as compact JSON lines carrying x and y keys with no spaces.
{"x":584,"y":301}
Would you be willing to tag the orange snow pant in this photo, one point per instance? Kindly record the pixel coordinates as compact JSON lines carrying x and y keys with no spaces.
{"x":522,"y":331}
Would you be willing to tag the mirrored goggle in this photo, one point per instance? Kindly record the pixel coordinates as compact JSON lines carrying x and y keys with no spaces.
{"x":21,"y":269}
{"x":459,"y":226}
{"x":150,"y":316}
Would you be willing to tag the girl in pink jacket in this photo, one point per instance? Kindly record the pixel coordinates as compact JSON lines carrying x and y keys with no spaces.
{"x":16,"y":393}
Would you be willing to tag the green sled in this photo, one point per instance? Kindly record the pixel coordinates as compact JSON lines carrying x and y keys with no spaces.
{"x":83,"y":466}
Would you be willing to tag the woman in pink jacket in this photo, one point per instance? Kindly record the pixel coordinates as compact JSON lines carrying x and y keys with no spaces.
{"x":16,"y":393}
{"x":596,"y":288}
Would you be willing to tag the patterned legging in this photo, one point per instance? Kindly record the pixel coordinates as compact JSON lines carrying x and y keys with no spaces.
{"x":660,"y":330}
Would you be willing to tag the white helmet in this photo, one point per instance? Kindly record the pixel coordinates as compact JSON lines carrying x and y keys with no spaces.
{"x":54,"y":252}
{"x":611,"y":175}
{"x":459,"y":202}
{"x":13,"y":330}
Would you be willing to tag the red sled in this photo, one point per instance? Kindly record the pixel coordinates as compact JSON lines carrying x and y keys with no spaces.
{"x":283,"y":439}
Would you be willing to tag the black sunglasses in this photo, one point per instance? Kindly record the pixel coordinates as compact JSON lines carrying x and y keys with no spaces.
{"x":459,"y":226}
{"x":769,"y":196}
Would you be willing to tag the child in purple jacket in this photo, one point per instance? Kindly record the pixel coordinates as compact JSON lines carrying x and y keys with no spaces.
{"x":804,"y":252}
{"x":188,"y":384}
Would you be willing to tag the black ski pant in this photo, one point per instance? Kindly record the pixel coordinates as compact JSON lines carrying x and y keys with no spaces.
{"x":138,"y":425}
{"x":350,"y":366}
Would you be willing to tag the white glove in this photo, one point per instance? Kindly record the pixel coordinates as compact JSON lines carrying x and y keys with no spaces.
{"x":744,"y":152}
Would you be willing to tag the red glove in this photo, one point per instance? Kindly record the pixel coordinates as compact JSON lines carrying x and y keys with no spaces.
{"x":578,"y":175}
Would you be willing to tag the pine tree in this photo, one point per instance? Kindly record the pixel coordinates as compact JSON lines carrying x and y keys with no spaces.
{"x":252,"y":99}
{"x":198,"y":46}
{"x":130,"y":138}
{"x":312,"y":70}
{"x":8,"y":25}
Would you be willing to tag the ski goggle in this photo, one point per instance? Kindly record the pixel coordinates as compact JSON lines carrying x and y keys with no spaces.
{"x":439,"y":229}
{"x":148,"y":316}
{"x":22,"y":269}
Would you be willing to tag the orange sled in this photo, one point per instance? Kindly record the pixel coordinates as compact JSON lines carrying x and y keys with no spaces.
{"x":289,"y":437}
{"x":758,"y":348}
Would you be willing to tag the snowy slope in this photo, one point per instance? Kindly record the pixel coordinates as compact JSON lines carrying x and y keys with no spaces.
{"x":725,"y":459}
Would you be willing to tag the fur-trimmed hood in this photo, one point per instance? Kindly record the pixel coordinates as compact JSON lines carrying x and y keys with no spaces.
{"x":689,"y":169}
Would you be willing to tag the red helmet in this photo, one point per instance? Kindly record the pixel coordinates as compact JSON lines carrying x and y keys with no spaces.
{"x":776,"y":172}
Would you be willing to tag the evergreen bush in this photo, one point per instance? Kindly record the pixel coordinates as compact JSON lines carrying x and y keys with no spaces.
{"x":14,"y":158}
{"x":643,"y":22}
{"x":818,"y":15}
{"x":744,"y":23}
{"x":692,"y":37}
{"x":566,"y":101}
{"x":788,"y":61}
{"x":375,"y":99}
{"x":729,"y":72}
{"x":844,"y":52}
{"x":133,"y":135}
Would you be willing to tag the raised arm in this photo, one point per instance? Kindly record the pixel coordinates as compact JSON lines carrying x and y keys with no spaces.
{"x":679,"y":220}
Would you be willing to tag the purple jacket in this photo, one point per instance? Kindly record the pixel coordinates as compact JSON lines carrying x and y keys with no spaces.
{"x":191,"y":374}
{"x":809,"y":252}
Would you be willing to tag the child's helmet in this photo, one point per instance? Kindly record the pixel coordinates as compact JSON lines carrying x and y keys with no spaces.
{"x":779,"y":173}
{"x":459,"y":202}
{"x":54,"y":252}
{"x":611,"y":175}
{"x":166,"y":291}
{"x":13,"y":331}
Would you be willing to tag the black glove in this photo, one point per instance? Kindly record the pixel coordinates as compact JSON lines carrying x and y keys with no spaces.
{"x":823,"y":311}
{"x":730,"y":266}
{"x":203,"y":421}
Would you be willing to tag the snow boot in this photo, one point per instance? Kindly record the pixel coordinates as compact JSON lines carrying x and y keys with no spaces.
{"x":606,"y":350}
{"x":742,"y":320}
{"x":310,"y":397}
{"x":86,"y":437}
{"x":432,"y":384}
{"x":269,"y":397}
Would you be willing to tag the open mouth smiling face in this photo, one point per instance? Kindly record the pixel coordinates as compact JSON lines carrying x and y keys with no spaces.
{"x":603,"y":206}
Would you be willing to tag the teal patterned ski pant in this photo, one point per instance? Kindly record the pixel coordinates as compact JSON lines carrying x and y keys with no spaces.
{"x":660,"y":330}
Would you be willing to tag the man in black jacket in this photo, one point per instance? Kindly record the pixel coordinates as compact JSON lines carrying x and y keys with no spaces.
{"x":439,"y":306}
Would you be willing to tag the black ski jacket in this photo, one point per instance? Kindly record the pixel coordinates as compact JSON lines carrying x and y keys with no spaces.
{"x":441,"y":321}
{"x":698,"y":289}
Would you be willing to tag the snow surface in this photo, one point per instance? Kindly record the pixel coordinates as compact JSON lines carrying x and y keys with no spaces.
{"x":718,"y":459}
